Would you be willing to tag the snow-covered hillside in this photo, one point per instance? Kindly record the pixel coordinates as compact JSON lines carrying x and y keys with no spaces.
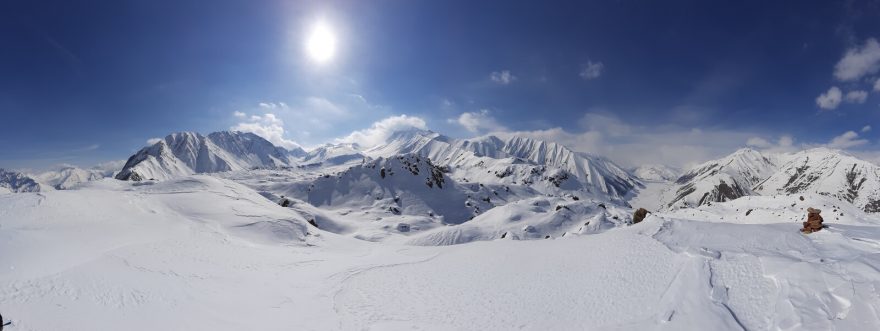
{"x":201,"y":252}
{"x":656,"y":172}
{"x":333,"y":154}
{"x":187,"y":153}
{"x":719,"y":180}
{"x":69,"y":176}
{"x":828,"y":172}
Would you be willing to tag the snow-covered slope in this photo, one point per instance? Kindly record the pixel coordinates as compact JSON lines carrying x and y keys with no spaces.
{"x":656,"y":172}
{"x":719,"y":180}
{"x":333,"y":154}
{"x":386,"y":191}
{"x":828,"y":172}
{"x":69,"y":176}
{"x":12,"y":181}
{"x":187,"y":153}
{"x":205,"y":253}
{"x":510,"y":154}
{"x":531,"y":218}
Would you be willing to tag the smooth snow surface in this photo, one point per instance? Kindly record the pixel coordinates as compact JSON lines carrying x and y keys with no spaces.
{"x":206,"y":253}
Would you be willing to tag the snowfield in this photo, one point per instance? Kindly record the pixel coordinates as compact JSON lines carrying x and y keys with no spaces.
{"x":202,"y":252}
{"x":432,"y":233}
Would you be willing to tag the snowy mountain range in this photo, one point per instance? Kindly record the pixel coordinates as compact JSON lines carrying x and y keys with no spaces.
{"x":16,"y":182}
{"x":827,"y":172}
{"x":514,"y":159}
{"x":502,"y":160}
{"x":747,"y":172}
{"x":720,"y":180}
{"x":188,"y":153}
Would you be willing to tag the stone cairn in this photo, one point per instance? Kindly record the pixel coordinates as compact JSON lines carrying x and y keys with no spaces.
{"x":814,"y":221}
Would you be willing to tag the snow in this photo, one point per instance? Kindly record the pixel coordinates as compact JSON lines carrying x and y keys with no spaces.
{"x":828,"y":172}
{"x":70,"y":176}
{"x":650,"y":196}
{"x":656,"y":172}
{"x":499,"y":233}
{"x":187,"y":153}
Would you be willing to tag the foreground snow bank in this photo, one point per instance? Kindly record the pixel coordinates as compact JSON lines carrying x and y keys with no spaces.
{"x":204,"y":253}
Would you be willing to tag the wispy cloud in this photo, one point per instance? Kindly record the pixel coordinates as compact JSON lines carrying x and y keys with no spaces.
{"x":503,"y":77}
{"x":857,"y":96}
{"x":592,"y":70}
{"x":848,"y":139}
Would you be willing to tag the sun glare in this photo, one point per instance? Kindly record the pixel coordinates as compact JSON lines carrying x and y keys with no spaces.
{"x":321,"y":43}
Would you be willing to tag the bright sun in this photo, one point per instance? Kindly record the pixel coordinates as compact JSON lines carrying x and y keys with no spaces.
{"x":321,"y":43}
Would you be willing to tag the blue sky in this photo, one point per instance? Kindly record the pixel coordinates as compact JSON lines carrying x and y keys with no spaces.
{"x":673,"y":82}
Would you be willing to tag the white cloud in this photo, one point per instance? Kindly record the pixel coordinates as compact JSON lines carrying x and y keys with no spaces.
{"x":846,"y":140}
{"x":153,"y":141}
{"x":480,"y":121}
{"x":859,"y":61}
{"x":592,"y":70}
{"x":856,"y":96}
{"x":786,"y":141}
{"x":831,"y":99}
{"x":503,"y":77}
{"x":273,"y":105}
{"x":784,"y":144}
{"x":267,"y":126}
{"x":239,"y":114}
{"x":877,"y":85}
{"x":380,"y":131}
{"x":866,"y":128}
{"x":758,"y":142}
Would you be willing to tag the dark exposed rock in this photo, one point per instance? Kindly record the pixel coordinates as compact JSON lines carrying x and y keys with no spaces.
{"x":640,"y":215}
